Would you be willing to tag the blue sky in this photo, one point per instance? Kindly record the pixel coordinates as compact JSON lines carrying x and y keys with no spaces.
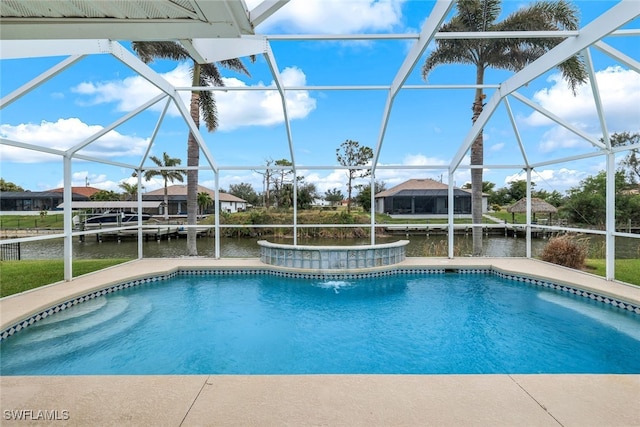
{"x":426,"y":127}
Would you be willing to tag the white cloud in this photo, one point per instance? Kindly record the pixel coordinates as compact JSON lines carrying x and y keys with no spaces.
{"x":558,"y":137}
{"x":497,"y":147}
{"x":334,"y":16}
{"x":235,"y":108}
{"x":422,"y":160}
{"x":263,"y":108}
{"x":619,"y":90}
{"x":64,"y":134}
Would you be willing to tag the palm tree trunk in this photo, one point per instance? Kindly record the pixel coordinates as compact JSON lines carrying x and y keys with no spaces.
{"x":477,"y":158}
{"x":193,"y":159}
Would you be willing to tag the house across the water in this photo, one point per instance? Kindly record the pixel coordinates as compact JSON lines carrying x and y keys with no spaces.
{"x":177,"y":196}
{"x":424,"y":197}
{"x":41,"y":200}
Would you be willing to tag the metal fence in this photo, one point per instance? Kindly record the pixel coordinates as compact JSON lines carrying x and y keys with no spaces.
{"x":10,"y":251}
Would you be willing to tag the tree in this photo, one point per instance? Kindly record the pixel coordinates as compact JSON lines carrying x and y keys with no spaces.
{"x":333,"y":196}
{"x":631,"y":162}
{"x":517,"y":189}
{"x":266,"y":183}
{"x":307,"y":193}
{"x":509,"y":54}
{"x":166,"y":175}
{"x":352,"y":154}
{"x":202,"y":102}
{"x":246,"y":192}
{"x":553,"y":198}
{"x":487,"y":186}
{"x":500,"y":197}
{"x":9,"y":186}
{"x":586,"y":203}
{"x":279,"y":179}
{"x":105,"y":196}
{"x":130,"y":190}
{"x":364,"y":196}
{"x":204,"y":201}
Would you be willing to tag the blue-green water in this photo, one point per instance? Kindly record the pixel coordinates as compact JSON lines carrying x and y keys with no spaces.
{"x":263,"y":324}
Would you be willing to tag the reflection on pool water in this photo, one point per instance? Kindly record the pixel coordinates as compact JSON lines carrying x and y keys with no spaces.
{"x":267,"y":324}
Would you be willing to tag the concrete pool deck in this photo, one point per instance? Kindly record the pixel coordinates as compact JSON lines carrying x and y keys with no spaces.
{"x":335,"y":400}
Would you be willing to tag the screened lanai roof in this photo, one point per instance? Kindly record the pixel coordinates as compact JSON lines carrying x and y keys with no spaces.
{"x":60,"y":35}
{"x":217,"y":30}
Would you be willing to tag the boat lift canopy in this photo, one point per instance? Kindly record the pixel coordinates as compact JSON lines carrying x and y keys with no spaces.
{"x":112,"y":205}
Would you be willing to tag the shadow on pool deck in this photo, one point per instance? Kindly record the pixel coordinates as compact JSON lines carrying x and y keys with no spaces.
{"x":335,"y":400}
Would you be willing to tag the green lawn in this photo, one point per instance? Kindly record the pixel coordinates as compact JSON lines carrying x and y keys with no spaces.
{"x":19,"y":276}
{"x":626,"y":269}
{"x":386,"y":219}
{"x":520,"y":218}
{"x":8,"y":222}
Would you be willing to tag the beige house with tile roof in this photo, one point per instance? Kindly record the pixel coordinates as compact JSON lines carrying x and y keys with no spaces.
{"x":424,"y":197}
{"x":178,"y":200}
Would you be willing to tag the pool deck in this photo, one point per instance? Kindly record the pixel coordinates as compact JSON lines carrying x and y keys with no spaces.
{"x":302,"y":400}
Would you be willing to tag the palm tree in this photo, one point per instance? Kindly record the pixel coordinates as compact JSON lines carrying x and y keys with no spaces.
{"x":201,"y":102}
{"x":130,"y":190}
{"x":204,"y":201}
{"x":509,"y":54}
{"x":166,"y":175}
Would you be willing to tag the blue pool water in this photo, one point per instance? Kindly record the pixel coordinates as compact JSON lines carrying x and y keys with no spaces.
{"x":264,"y":324}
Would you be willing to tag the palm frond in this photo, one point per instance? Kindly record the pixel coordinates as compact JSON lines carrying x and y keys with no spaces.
{"x":210,"y":75}
{"x":148,"y":51}
{"x":452,"y":51}
{"x":515,"y":54}
{"x":447,"y":53}
{"x":236,"y":64}
{"x":574,"y":72}
{"x":209,"y":110}
{"x":478,"y":15}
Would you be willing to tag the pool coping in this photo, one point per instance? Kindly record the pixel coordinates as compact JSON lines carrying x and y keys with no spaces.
{"x":341,"y":400}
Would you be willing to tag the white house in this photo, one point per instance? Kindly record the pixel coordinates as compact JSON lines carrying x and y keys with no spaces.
{"x":177,"y":197}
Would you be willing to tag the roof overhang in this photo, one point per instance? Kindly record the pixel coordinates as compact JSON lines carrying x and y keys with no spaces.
{"x":138,"y":20}
{"x":111,"y":205}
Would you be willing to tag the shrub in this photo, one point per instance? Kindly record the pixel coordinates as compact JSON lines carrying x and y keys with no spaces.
{"x":565,"y":250}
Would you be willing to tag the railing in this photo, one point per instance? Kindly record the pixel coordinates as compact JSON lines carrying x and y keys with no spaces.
{"x":10,"y":251}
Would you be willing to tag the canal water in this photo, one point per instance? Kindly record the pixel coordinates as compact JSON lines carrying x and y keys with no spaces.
{"x":494,"y":246}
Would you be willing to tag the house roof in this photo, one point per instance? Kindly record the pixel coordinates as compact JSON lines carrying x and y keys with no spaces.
{"x":416,"y":187}
{"x":180,"y":191}
{"x":537,"y":206}
{"x":24,"y":195}
{"x":84,"y":191}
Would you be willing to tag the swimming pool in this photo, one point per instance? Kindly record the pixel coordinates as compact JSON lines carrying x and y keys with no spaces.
{"x":271,"y":324}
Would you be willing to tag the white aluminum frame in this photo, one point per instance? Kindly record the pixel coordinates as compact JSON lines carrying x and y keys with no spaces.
{"x":212,"y":31}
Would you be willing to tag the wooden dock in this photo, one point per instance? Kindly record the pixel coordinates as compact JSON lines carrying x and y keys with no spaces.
{"x":505,"y":229}
{"x":155,"y":232}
